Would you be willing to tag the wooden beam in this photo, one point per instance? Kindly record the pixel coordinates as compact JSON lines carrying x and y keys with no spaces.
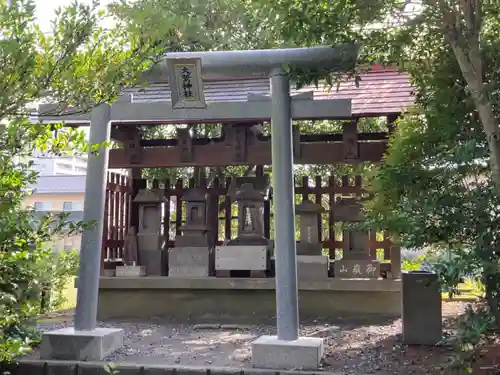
{"x":322,"y":137}
{"x":212,"y":155}
{"x":255,"y":110}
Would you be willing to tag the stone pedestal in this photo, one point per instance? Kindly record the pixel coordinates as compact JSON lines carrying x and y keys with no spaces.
{"x":188,"y":262}
{"x":305,"y":353}
{"x":149,"y":241}
{"x":312,"y":267}
{"x":305,"y":248}
{"x":191,"y":255}
{"x":250,"y":250}
{"x":70,"y":345}
{"x":130,"y":271}
{"x":421,"y":308}
{"x":311,"y":264}
{"x":155,"y":261}
{"x":230,"y":258}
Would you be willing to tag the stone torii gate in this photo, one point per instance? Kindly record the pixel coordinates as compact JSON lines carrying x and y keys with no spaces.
{"x":287,"y":349}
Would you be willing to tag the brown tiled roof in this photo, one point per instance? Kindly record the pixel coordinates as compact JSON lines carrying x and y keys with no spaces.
{"x":380,"y":92}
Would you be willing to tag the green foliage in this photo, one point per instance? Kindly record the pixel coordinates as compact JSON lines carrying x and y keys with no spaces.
{"x":412,"y":264}
{"x":475,"y":329}
{"x":111,"y":368}
{"x":60,"y":268}
{"x":78,"y":64}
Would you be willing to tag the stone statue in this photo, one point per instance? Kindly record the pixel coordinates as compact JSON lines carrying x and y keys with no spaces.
{"x":130,"y":253}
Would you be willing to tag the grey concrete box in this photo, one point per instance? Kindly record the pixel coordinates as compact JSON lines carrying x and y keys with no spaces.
{"x":254,"y":258}
{"x":312,"y":267}
{"x":305,"y":353}
{"x":188,"y":262}
{"x":68,"y":344}
{"x":421,"y":308}
{"x":155,"y":261}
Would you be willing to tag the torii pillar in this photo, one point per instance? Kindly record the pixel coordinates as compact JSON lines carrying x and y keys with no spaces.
{"x":86,"y":341}
{"x":286,"y":350}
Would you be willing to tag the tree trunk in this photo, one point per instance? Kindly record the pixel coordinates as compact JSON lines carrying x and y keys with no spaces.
{"x":468,"y":54}
{"x":492,"y":288}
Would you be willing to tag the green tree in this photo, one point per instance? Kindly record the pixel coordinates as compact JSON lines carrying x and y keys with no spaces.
{"x":78,"y":64}
{"x":440,"y":181}
{"x":412,"y":34}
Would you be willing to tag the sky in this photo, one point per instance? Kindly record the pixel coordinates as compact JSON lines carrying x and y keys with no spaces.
{"x":45,"y":10}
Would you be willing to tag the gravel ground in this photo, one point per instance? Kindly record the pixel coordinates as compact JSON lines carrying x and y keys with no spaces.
{"x":354,"y":345}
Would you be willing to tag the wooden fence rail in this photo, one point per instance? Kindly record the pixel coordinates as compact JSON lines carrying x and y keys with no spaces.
{"x":120,"y":213}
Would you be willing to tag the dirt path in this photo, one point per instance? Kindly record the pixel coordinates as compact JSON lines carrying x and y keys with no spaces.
{"x":354,"y":345}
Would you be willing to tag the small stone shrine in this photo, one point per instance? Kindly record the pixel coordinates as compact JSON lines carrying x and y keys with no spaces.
{"x":150,"y":242}
{"x":311,"y":263}
{"x":190,"y":256}
{"x":249,"y":251}
{"x":356,"y":260}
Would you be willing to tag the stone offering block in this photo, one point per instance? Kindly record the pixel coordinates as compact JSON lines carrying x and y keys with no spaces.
{"x":130,"y":271}
{"x":357,"y":269}
{"x":229,"y":258}
{"x":188,"y":262}
{"x":155,"y":261}
{"x":312,"y":267}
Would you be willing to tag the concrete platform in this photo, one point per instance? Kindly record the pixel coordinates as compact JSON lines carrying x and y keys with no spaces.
{"x":305,"y":353}
{"x":68,"y":344}
{"x":240,"y":300}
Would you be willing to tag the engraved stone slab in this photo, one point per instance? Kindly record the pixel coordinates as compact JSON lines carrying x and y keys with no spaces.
{"x":312,"y":267}
{"x":254,"y":258}
{"x":357,"y":269}
{"x":188,"y":262}
{"x":130,"y":271}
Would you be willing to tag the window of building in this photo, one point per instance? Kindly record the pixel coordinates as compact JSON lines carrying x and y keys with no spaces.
{"x":43,"y":206}
{"x":63,"y":168}
{"x":73,"y":206}
{"x":80,"y":170}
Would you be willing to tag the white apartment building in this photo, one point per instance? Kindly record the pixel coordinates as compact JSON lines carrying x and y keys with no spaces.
{"x":57,"y":165}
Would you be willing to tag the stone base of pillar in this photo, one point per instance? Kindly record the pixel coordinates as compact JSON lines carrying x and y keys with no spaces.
{"x":305,"y":353}
{"x":188,"y":262}
{"x":312,"y":267}
{"x":71,"y":345}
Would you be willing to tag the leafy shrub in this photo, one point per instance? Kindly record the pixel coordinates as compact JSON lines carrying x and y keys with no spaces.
{"x":475,"y":329}
{"x":62,"y":267}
